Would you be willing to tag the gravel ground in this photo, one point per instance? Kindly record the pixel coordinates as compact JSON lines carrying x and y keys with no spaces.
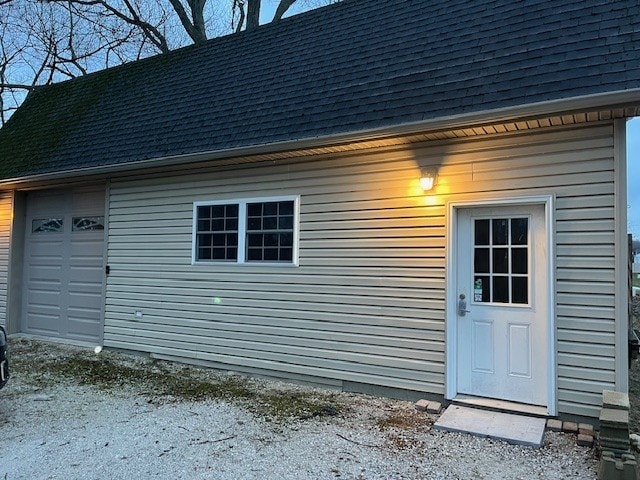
{"x":65,"y":423}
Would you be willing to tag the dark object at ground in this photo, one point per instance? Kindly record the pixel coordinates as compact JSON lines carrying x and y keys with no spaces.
{"x":4,"y":361}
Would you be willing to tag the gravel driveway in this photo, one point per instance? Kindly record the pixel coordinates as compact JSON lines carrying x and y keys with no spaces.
{"x":68,"y":413}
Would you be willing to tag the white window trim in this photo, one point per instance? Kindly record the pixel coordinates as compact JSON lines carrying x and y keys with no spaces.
{"x":242,"y":230}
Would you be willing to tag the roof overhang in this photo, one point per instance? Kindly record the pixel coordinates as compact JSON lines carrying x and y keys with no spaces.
{"x":597,"y":107}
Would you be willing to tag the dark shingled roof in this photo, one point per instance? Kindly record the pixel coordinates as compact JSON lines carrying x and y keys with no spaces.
{"x":355,"y":65}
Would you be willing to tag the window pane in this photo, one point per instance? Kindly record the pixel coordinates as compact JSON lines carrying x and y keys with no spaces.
{"x":231,"y":224}
{"x":271,"y":254}
{"x":286,"y":240}
{"x":269,"y":228}
{"x":205,"y":240}
{"x":219,"y":239}
{"x":501,"y":264}
{"x":481,"y":289}
{"x":501,"y":289}
{"x":270,"y":232}
{"x":270,"y":208}
{"x":481,"y":260}
{"x":48,"y":225}
{"x":519,"y":290}
{"x":271,"y":240}
{"x":286,"y":208}
{"x":216,"y":236}
{"x":217,"y":224}
{"x":270,"y":223}
{"x":254,"y":254}
{"x":482,"y":232}
{"x":231,"y":210}
{"x":216,"y":211}
{"x":500,"y":260}
{"x":204,"y":211}
{"x":254,"y":239}
{"x":204,"y":225}
{"x":519,"y":260}
{"x":87,"y":224}
{"x":254,"y":209}
{"x":285,"y":223}
{"x":254,"y":223}
{"x":500,"y":229}
{"x":519,"y":231}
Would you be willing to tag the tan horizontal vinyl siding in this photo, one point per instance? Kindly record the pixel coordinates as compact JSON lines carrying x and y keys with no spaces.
{"x":366,"y":303}
{"x":6,"y":216}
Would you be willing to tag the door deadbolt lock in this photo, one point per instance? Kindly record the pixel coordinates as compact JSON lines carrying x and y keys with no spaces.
{"x":462,"y":305}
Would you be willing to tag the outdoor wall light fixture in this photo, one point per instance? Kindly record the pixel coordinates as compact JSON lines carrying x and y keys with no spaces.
{"x":428,"y":178}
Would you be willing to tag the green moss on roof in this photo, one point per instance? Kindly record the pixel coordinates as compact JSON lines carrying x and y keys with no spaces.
{"x":50,"y":117}
{"x":45,"y":121}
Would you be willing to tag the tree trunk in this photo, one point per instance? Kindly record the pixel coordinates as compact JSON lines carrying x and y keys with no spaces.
{"x":253,"y":14}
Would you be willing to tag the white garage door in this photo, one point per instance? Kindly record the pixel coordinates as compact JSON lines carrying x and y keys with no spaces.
{"x":64,"y":264}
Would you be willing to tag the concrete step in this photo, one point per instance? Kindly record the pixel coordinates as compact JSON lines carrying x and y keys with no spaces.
{"x":515,"y":429}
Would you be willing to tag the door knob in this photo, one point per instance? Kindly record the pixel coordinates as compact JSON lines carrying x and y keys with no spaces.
{"x":462,"y":306}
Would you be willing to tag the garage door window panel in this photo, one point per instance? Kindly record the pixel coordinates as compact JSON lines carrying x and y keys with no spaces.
{"x":47,"y":225}
{"x":87,"y":224}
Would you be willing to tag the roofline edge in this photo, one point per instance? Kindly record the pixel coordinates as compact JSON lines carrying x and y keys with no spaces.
{"x":562,"y":106}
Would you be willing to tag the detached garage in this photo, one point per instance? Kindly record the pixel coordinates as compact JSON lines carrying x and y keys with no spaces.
{"x":416,"y":198}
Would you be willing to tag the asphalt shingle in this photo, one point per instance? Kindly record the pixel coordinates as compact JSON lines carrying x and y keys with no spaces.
{"x":351,"y":66}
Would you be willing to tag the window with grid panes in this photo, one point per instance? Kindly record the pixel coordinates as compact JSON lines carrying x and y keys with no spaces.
{"x":245,"y":231}
{"x":270,"y":231}
{"x":501,"y":260}
{"x":217,"y":232}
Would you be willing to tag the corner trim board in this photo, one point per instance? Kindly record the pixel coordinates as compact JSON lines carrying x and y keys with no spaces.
{"x":621,"y":255}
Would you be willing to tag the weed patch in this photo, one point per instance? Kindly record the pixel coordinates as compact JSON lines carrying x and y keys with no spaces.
{"x":45,"y":365}
{"x":404,"y":421}
{"x":283,"y":405}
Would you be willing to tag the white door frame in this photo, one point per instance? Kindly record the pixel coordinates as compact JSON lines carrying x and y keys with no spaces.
{"x":451,"y":387}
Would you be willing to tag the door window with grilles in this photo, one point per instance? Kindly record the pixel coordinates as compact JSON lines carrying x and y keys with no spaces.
{"x":501,"y":260}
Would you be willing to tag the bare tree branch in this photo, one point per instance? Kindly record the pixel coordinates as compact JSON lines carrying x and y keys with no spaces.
{"x":150,"y":31}
{"x":17,"y":86}
{"x":283,"y":6}
{"x":195,"y":26}
{"x":238,"y":5}
{"x":74,"y":57}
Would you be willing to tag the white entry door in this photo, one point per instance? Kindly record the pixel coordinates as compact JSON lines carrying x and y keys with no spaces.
{"x":502,"y":304}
